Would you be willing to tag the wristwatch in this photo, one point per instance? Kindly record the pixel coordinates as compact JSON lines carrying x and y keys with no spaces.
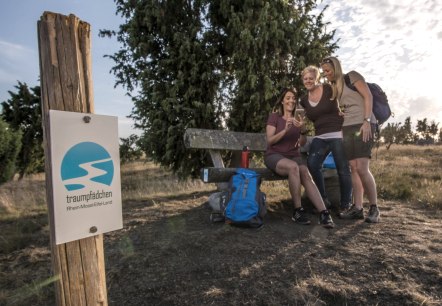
{"x":367,"y":119}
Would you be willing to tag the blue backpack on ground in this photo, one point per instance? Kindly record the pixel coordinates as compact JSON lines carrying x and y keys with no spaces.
{"x":381,"y":108}
{"x":245,"y":203}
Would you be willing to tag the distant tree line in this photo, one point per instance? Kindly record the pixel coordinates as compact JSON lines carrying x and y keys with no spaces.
{"x":402,"y":133}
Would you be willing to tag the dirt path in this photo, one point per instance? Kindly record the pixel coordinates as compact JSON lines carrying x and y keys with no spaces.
{"x":170,"y":254}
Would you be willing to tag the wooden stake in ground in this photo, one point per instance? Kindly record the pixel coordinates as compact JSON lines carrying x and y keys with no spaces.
{"x":66,"y":85}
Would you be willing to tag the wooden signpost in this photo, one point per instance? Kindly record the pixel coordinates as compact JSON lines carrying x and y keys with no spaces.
{"x":66,"y":85}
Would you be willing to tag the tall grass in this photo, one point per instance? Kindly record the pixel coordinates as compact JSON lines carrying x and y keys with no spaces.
{"x":23,"y":197}
{"x":142,"y":179}
{"x":409,"y":173}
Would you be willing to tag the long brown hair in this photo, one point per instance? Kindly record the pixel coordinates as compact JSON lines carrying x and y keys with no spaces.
{"x":278,"y":107}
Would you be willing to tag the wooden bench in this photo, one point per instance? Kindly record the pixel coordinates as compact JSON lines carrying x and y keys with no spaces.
{"x":216,"y":141}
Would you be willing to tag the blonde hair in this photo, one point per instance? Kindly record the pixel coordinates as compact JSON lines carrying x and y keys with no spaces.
{"x":312,"y":69}
{"x":338,"y":83}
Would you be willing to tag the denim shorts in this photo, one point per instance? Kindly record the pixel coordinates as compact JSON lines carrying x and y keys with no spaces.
{"x":271,"y":160}
{"x":354,"y":147}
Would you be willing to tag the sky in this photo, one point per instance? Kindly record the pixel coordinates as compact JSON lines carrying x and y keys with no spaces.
{"x":394,"y":43}
{"x":19,"y":56}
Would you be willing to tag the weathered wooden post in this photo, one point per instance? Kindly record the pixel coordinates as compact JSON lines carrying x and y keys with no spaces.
{"x":66,"y":85}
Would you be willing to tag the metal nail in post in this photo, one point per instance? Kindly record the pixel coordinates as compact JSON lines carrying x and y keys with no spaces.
{"x":87,"y":119}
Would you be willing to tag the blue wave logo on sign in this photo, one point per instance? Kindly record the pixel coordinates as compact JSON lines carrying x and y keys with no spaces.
{"x":86,"y":164}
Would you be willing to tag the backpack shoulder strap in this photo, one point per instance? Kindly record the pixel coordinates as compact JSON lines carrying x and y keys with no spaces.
{"x":348,"y":83}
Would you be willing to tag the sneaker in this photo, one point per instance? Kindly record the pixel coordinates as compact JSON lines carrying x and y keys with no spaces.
{"x":299,"y":216}
{"x":373,"y":214}
{"x":326,"y":220}
{"x":343,"y":208}
{"x":352,"y":213}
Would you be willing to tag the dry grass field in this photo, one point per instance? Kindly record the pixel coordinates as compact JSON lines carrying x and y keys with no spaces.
{"x":168,"y":252}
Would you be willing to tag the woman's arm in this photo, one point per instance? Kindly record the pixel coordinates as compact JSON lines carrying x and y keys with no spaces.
{"x":363,"y":89}
{"x":273,"y":138}
{"x":302,"y":140}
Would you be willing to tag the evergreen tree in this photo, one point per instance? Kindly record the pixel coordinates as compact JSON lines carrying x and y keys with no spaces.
{"x":211,"y":64}
{"x":23,"y":113}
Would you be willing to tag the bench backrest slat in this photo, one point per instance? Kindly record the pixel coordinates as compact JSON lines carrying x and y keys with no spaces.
{"x":224,"y":140}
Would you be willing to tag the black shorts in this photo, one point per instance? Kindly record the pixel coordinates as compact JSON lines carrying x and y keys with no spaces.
{"x":271,"y":160}
{"x":353,"y":145}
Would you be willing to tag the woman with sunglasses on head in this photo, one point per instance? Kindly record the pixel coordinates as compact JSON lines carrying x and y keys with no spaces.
{"x":325,"y":114}
{"x":358,"y":132}
{"x":285,"y":134}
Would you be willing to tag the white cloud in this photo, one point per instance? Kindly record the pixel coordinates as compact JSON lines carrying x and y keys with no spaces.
{"x":12,"y":51}
{"x":397,"y":44}
{"x":17,"y":63}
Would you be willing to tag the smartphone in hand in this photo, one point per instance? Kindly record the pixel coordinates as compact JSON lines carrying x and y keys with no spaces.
{"x":299,"y":113}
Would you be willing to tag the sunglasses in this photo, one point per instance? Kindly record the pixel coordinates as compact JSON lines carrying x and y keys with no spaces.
{"x":327,"y":61}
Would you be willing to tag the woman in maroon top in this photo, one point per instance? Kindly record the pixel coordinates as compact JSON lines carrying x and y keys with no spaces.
{"x":284,"y":137}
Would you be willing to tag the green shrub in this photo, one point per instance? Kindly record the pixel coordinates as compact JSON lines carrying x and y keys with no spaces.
{"x":10,"y":145}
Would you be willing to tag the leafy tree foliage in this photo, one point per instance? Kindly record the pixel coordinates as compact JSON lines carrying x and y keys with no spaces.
{"x":211,"y":64}
{"x":23,"y":113}
{"x":10,"y":144}
{"x":407,"y":132}
{"x":428,"y":131}
{"x":130,"y":149}
{"x":396,"y":133}
{"x":433,"y":129}
{"x":422,"y":128}
{"x":392,"y":134}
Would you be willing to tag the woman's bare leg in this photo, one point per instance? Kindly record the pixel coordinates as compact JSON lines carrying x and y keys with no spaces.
{"x":289,"y":168}
{"x":310,"y":188}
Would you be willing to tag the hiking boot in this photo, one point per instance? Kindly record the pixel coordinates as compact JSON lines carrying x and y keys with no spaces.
{"x":343,"y":208}
{"x":373,"y":214}
{"x":299,"y":216}
{"x":352,"y":213}
{"x":326,"y":220}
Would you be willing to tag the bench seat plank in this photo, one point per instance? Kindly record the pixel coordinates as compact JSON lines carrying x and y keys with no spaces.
{"x":224,"y":140}
{"x":218,"y":175}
